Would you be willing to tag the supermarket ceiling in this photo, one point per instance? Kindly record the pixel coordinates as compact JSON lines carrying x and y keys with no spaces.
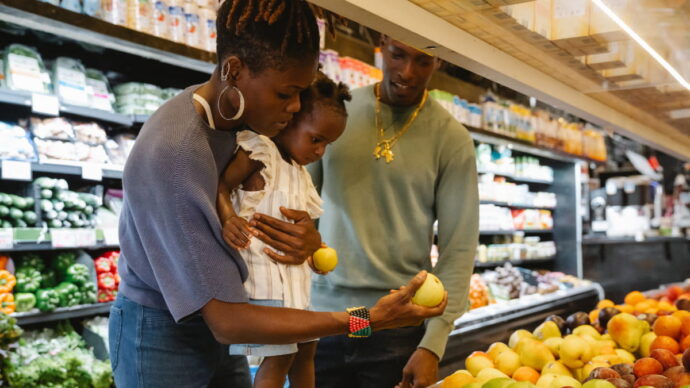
{"x":623,"y":64}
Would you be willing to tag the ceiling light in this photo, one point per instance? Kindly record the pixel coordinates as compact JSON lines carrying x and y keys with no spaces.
{"x":641,"y":42}
{"x":679,"y":114}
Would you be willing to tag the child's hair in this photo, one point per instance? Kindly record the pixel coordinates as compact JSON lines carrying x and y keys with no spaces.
{"x":324,"y":91}
{"x":267,"y":34}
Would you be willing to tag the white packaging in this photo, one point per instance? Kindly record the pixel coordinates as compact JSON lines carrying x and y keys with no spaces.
{"x":159,"y":19}
{"x":176,"y":29}
{"x":191,"y":24}
{"x":207,"y":33}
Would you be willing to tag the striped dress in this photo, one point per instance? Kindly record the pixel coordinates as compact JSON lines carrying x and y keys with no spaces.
{"x":288,"y":185}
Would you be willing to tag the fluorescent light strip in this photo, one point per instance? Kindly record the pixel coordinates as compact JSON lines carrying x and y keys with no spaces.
{"x":641,"y":42}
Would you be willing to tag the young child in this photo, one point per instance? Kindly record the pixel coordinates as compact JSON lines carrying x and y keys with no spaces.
{"x":267,"y":174}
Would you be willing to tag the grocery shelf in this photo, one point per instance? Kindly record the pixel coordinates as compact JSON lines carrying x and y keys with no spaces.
{"x":75,"y":168}
{"x":38,"y":239}
{"x":140,"y":119}
{"x":516,"y":205}
{"x":492,"y":264}
{"x":510,"y":232}
{"x":517,"y":178}
{"x":86,"y":310}
{"x":23,"y":98}
{"x":630,"y":240}
{"x":55,"y":20}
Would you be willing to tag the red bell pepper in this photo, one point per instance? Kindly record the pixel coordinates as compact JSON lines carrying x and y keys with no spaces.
{"x":103,"y":264}
{"x":106,"y":281}
{"x":105,"y":296}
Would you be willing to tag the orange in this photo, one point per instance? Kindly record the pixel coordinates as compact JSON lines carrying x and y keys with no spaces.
{"x":634,"y":298}
{"x":680,"y":314}
{"x":667,"y":325}
{"x":647,"y":366}
{"x":605,"y":303}
{"x":685,"y":343}
{"x":594,"y":315}
{"x":625,"y":308}
{"x":525,"y":373}
{"x":663,"y":305}
{"x":674,"y":292}
{"x":665,"y":342}
{"x":685,"y":326}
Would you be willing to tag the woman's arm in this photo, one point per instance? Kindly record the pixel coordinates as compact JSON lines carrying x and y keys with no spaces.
{"x":236,"y":230}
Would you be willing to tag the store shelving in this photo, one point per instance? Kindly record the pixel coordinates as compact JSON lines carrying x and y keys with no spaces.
{"x":38,"y":239}
{"x":492,"y":264}
{"x":22,"y":98}
{"x":515,"y":205}
{"x":41,"y":16}
{"x":510,"y":232}
{"x":74,"y":169}
{"x":32,"y":317}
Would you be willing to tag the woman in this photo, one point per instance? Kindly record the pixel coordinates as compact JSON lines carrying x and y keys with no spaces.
{"x":181,"y":292}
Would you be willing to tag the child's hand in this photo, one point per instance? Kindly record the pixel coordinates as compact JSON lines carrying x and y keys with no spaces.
{"x":237,"y":232}
{"x":310,"y":260}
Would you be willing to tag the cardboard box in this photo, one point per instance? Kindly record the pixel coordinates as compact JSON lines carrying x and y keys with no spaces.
{"x":603,"y":28}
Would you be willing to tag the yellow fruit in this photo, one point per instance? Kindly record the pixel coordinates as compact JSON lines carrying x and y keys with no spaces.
{"x":478,"y":361}
{"x":556,"y":368}
{"x":605,"y":303}
{"x":500,"y":382}
{"x":495,"y":349}
{"x":489,"y":374}
{"x":431,"y":292}
{"x":326,"y":258}
{"x":548,"y":329}
{"x":533,"y":353}
{"x":626,"y":330}
{"x":646,"y":344}
{"x":587,"y":330}
{"x":457,"y":380}
{"x":625,"y":357}
{"x":565,"y":381}
{"x":517,"y":336}
{"x":507,"y":362}
{"x":575,"y":351}
{"x":554,"y":344}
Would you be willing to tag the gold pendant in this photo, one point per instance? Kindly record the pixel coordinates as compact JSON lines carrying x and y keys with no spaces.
{"x":388,"y":154}
{"x":383,"y":150}
{"x":377,"y":152}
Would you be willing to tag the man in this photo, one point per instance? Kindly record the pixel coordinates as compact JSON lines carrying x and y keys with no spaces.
{"x":402,"y":163}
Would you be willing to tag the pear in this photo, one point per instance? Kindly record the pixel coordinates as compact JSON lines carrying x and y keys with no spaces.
{"x":495,"y":349}
{"x":598,"y":383}
{"x":554,"y":344}
{"x":548,"y":329}
{"x":565,"y":381}
{"x":556,"y":368}
{"x":646,"y":344}
{"x":517,"y":336}
{"x":575,"y":351}
{"x":507,"y":362}
{"x":626,"y":330}
{"x":487,"y":374}
{"x":625,"y":356}
{"x":545,"y":380}
{"x":501,"y":382}
{"x":587,"y":330}
{"x":522,"y":384}
{"x":473,"y":385}
{"x":533,"y":353}
{"x":611,"y":359}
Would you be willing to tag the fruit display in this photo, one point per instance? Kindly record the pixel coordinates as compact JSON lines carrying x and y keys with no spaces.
{"x":642,"y":342}
{"x":479,"y":292}
{"x":45,"y":284}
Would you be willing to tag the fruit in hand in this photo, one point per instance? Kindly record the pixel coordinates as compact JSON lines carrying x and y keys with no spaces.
{"x":325,"y":259}
{"x":431,"y":292}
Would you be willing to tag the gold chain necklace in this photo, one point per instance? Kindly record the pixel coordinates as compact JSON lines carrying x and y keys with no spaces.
{"x":384,"y":146}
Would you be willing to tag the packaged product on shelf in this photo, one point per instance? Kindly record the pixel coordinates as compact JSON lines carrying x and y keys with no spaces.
{"x":114,"y":11}
{"x":169,"y":93}
{"x":55,"y":150}
{"x":207,"y":27}
{"x":139,"y":15}
{"x":52,"y":128}
{"x":479,"y":292}
{"x":191,"y":24}
{"x":115,"y":152}
{"x":25,"y":70}
{"x":98,"y":90}
{"x":92,"y":7}
{"x":90,"y":133}
{"x":69,"y":76}
{"x":138,"y":98}
{"x":72,"y":5}
{"x":15,"y":143}
{"x":176,"y":21}
{"x":159,"y":18}
{"x":90,"y":153}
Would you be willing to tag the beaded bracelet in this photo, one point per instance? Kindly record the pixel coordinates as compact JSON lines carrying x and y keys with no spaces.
{"x":359,"y":322}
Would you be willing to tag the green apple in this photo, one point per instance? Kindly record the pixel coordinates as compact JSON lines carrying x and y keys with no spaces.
{"x":325,"y":259}
{"x":430,"y":294}
{"x":501,"y":382}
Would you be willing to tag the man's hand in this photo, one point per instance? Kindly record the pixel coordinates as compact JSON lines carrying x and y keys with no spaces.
{"x":297,"y":241}
{"x":421,"y":370}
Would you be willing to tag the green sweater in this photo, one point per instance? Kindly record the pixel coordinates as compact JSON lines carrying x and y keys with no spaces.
{"x":379,"y":217}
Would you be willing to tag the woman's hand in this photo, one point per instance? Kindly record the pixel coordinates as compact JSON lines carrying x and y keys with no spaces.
{"x":237,"y":232}
{"x":397,"y":310}
{"x":297,"y":240}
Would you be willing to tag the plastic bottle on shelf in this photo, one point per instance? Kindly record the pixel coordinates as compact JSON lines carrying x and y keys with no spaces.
{"x":191,"y":24}
{"x":114,"y":11}
{"x":159,"y":19}
{"x":139,"y":14}
{"x":207,"y":33}
{"x":176,"y":21}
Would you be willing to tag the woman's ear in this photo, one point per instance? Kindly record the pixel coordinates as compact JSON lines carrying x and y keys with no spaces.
{"x":234,"y":67}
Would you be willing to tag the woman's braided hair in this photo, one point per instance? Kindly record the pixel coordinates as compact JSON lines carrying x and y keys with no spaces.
{"x":267,"y":33}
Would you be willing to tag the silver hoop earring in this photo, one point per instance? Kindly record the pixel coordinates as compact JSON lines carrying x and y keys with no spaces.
{"x":224,"y":74}
{"x":240,"y":110}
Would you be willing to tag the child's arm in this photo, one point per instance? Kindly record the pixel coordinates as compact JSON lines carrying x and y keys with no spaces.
{"x":236,"y":230}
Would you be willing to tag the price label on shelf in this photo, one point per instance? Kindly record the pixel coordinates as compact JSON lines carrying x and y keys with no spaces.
{"x":16,"y":170}
{"x":45,"y":104}
{"x":111,"y":236}
{"x":73,"y":238}
{"x":6,"y":238}
{"x":92,"y":172}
